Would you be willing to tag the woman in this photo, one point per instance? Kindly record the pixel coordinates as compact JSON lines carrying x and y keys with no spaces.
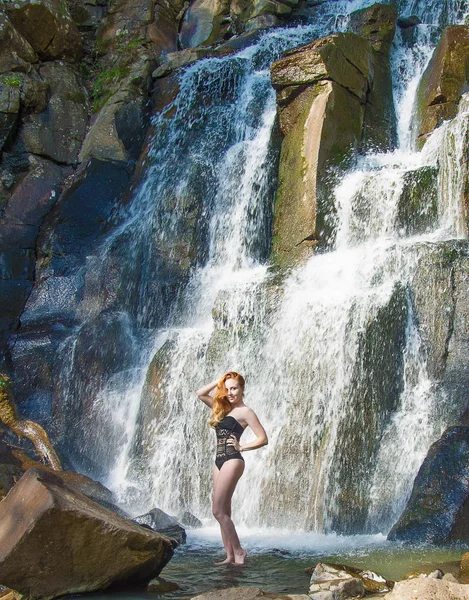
{"x":230,"y":417}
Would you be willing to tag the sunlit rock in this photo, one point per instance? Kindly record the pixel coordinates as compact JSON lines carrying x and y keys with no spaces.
{"x":417,"y":210}
{"x":88,"y":547}
{"x":443,"y":82}
{"x":329,"y":576}
{"x":417,"y":589}
{"x":202,"y":22}
{"x":323,"y":90}
{"x":377,"y":24}
{"x":437,"y":511}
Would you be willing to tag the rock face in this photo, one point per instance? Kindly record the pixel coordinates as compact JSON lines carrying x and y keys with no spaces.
{"x":417,"y":211}
{"x":333,"y":96}
{"x":444,"y":81}
{"x":438,"y":509}
{"x":440,"y":297}
{"x":54,"y":541}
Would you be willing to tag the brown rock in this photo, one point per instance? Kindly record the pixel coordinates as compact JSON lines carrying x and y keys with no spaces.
{"x":444,"y":81}
{"x":56,"y":38}
{"x":16,"y":54}
{"x":342,"y":57}
{"x":55,"y":541}
{"x":427,"y":588}
{"x":464,"y":568}
{"x":202,"y":22}
{"x":377,"y":24}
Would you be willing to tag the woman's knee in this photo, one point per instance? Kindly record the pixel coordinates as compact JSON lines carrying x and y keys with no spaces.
{"x":219,"y":513}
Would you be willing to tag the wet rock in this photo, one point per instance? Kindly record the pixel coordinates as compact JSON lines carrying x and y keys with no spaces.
{"x":162,"y":586}
{"x":57,"y":132}
{"x":159,"y":521}
{"x":323,"y":90}
{"x":438,"y":509}
{"x":407,"y":22}
{"x":417,"y":589}
{"x":22,"y":217}
{"x":377,"y":24}
{"x":56,"y":38}
{"x":16,"y":54}
{"x":417,"y":209}
{"x":190,"y":520}
{"x":441,"y":302}
{"x":377,"y":382}
{"x":88,"y":546}
{"x":443,"y":82}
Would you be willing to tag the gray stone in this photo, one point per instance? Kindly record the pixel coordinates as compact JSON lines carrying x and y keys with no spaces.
{"x":58,"y":131}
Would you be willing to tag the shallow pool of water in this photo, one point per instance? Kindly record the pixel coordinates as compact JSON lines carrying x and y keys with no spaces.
{"x":278,"y":561}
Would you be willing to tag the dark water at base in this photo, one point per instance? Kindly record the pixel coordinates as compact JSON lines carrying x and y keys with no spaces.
{"x":278,"y":562}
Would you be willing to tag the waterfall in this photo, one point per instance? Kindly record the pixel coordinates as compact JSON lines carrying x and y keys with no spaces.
{"x":347,"y":426}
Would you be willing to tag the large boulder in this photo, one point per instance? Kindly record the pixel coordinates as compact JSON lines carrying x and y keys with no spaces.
{"x":56,"y":38}
{"x":377,"y":24}
{"x":55,"y":541}
{"x":58,"y":131}
{"x":438,"y":509}
{"x":323,"y":90}
{"x":444,"y":81}
{"x":16,"y":53}
{"x":427,"y":587}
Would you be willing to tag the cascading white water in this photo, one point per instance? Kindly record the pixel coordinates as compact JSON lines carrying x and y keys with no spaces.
{"x":308,"y":345}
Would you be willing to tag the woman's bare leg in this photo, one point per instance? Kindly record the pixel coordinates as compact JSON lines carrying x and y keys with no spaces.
{"x":225,"y":485}
{"x":228,"y":548}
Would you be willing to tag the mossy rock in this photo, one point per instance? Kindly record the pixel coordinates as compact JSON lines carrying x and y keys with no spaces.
{"x":417,"y":209}
{"x":376,"y":384}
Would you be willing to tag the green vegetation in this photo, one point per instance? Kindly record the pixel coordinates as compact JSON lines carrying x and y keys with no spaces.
{"x":104,"y":85}
{"x":11,"y":80}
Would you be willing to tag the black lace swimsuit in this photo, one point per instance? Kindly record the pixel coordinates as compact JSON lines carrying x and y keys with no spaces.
{"x":227,"y":427}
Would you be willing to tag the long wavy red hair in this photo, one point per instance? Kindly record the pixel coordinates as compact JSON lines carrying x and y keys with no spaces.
{"x":221,"y":405}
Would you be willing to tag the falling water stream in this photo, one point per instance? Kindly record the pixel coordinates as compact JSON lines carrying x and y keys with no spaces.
{"x":307,"y":343}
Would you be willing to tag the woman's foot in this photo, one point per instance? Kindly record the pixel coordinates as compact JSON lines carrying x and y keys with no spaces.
{"x":240,"y":557}
{"x":227,"y":561}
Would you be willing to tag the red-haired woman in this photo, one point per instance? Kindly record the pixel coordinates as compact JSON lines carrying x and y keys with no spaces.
{"x":230,"y":417}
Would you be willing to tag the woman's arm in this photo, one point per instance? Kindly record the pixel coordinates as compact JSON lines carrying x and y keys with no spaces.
{"x":259,"y":432}
{"x":204,"y":393}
